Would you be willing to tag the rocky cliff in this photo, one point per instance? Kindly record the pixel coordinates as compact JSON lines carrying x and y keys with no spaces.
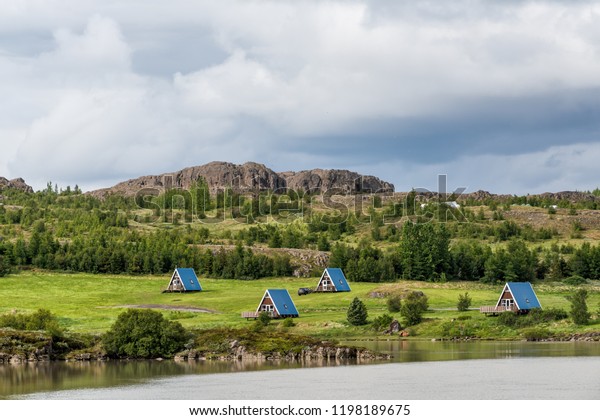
{"x":252,"y":176}
{"x":17,"y":183}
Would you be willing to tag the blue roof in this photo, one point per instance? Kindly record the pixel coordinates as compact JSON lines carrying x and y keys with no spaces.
{"x":524,"y":295}
{"x":189,"y":279}
{"x":283,"y":302}
{"x":339,"y":280}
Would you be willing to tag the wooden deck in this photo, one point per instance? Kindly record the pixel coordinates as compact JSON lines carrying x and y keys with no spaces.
{"x":250,"y":315}
{"x":492,"y":310}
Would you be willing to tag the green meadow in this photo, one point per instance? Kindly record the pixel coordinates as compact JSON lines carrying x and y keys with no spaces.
{"x":90,"y":303}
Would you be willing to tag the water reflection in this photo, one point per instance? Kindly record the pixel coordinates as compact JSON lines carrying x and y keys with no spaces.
{"x":52,"y":376}
{"x":428,"y":351}
{"x":61,"y":376}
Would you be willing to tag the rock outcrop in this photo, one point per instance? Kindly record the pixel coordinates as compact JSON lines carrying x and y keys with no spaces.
{"x":17,"y":183}
{"x":251,"y":177}
{"x":321,"y":180}
{"x":323,"y":352}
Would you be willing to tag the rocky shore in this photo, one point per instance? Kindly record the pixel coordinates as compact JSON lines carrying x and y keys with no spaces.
{"x":588,"y":336}
{"x":317,"y":352}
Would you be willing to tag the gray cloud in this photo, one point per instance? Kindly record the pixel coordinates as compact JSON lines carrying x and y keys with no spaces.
{"x":101,"y":91}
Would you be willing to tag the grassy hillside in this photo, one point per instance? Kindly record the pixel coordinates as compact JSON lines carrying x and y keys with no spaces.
{"x":91,"y":303}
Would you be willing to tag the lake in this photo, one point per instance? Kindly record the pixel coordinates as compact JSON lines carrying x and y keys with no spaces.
{"x":419,"y":370}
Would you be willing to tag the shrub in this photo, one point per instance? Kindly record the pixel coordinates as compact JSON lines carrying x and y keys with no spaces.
{"x":394,"y":303}
{"x":508,"y":319}
{"x":357,"y":312}
{"x":144,"y":333}
{"x":382,"y":323}
{"x":413,"y":307}
{"x":464,"y":301}
{"x":534,"y":317}
{"x":575,"y":280}
{"x":264,"y":319}
{"x":548,"y":315}
{"x":288,"y":322}
{"x":40,"y":320}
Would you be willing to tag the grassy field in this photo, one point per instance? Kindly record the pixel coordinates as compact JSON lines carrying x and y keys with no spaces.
{"x":91,"y":303}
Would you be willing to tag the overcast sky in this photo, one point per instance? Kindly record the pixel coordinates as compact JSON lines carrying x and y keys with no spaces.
{"x":499,"y":95}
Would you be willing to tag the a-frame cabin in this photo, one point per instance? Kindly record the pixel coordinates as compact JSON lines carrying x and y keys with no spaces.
{"x":516,"y":297}
{"x":277,"y":303}
{"x":184,"y":280}
{"x":333,"y":280}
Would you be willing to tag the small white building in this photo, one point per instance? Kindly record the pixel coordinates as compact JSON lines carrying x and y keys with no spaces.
{"x":452,"y":204}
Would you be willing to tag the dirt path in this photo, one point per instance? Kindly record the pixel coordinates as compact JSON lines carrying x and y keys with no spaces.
{"x":169,"y":307}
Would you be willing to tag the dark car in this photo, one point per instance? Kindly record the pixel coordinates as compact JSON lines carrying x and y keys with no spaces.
{"x":304,"y":291}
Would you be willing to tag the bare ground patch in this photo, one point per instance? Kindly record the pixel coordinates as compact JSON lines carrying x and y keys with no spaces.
{"x":168,"y":308}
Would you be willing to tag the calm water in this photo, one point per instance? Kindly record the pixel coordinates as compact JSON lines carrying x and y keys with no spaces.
{"x":420,"y":370}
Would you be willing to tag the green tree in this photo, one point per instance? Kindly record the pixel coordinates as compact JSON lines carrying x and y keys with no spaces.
{"x":357,"y":312}
{"x":4,"y":266}
{"x":323,"y":243}
{"x":579,"y":310}
{"x":201,"y":197}
{"x":413,"y":307}
{"x":424,"y":251}
{"x":275,"y":241}
{"x":515,"y":263}
{"x":144,"y":334}
{"x":394,"y":303}
{"x":464,"y":302}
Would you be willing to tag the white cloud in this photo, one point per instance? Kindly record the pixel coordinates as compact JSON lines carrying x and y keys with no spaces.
{"x":558,"y":168}
{"x":81,"y":112}
{"x":99,"y":52}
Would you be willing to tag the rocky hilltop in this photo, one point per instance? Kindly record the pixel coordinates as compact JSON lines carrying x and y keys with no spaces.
{"x":252,"y":176}
{"x":17,"y":183}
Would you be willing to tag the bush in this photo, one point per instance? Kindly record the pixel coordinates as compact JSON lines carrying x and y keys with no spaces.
{"x":534,"y":317}
{"x":548,"y":315}
{"x":508,"y":319}
{"x":394,"y":303}
{"x":144,"y":333}
{"x":382,"y":323}
{"x":357,"y":312}
{"x":288,"y":323}
{"x":40,"y":320}
{"x":464,"y":302}
{"x":413,"y":307}
{"x":575,"y":280}
{"x":264,"y":319}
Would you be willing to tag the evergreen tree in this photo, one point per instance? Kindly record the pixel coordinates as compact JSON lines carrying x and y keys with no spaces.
{"x":357,"y":312}
{"x":424,"y":251}
{"x":4,"y":266}
{"x":579,"y":309}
